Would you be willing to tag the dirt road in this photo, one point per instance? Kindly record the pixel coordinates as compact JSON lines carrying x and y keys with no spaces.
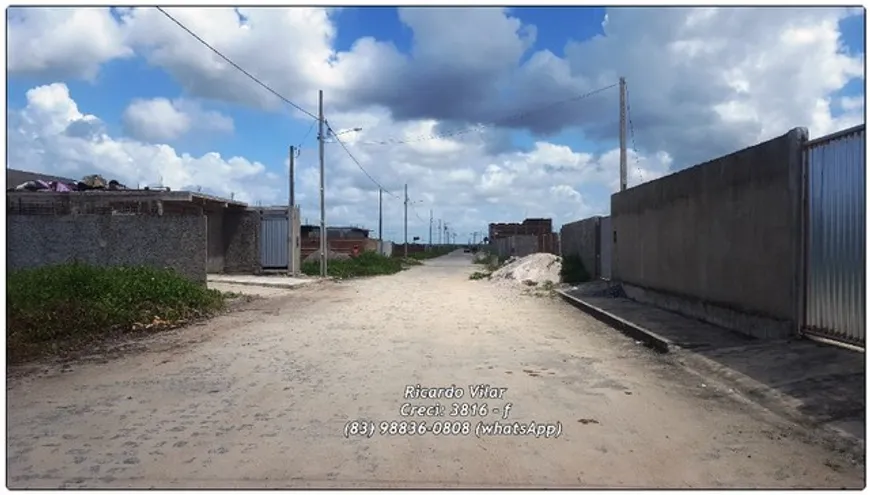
{"x":262,"y":397}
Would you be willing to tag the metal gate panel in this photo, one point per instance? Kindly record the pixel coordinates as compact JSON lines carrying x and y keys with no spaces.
{"x":606,"y":248}
{"x":274,"y":244}
{"x":835,"y":236}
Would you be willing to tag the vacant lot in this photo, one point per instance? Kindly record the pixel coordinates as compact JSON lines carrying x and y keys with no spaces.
{"x":262,"y":397}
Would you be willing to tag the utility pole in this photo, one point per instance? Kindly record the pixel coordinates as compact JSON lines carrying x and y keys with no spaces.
{"x":291,"y":232}
{"x":440,"y":231}
{"x":431,"y":220}
{"x":381,"y":214}
{"x":623,"y":155}
{"x":406,"y":220}
{"x":322,"y":138}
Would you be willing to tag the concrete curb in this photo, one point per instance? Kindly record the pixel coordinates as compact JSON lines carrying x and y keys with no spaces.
{"x":767,"y":398}
{"x":749,"y":389}
{"x":636,"y":332}
{"x":270,"y":285}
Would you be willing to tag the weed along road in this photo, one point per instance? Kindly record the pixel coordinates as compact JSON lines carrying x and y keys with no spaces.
{"x":420,"y":379}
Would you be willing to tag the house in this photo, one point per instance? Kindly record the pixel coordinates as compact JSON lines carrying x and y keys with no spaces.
{"x":15,"y":177}
{"x":313,"y":231}
{"x":192,"y":232}
{"x":529,"y":226}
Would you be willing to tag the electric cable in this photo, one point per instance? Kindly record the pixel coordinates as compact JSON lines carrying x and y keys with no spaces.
{"x":631,"y":132}
{"x":239,"y":68}
{"x":358,"y":164}
{"x":299,"y":148}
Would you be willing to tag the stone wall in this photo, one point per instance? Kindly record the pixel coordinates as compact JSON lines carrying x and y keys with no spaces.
{"x":177,"y":242}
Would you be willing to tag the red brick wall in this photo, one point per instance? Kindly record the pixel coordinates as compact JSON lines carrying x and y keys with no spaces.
{"x":339,"y":245}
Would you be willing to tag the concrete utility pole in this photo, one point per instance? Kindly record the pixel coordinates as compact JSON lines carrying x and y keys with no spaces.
{"x":440,"y":231}
{"x":291,"y":232}
{"x":322,"y":138}
{"x":623,"y":154}
{"x":406,"y":220}
{"x":381,"y":214}
{"x":431,"y":221}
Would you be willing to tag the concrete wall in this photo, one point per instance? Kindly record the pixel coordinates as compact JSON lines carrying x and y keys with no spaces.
{"x":216,"y":248}
{"x":241,"y":236}
{"x":385,"y":248}
{"x":516,"y":245}
{"x":176,"y":242}
{"x":581,"y":238}
{"x":724,"y":235}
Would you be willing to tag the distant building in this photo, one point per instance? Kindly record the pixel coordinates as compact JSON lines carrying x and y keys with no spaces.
{"x":530,"y":226}
{"x":309,"y":231}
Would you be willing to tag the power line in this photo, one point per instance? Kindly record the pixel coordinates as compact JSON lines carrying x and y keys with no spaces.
{"x":414,"y":207}
{"x":358,"y":164}
{"x":480,"y":127}
{"x":299,"y":148}
{"x":221,"y":55}
{"x":631,"y":132}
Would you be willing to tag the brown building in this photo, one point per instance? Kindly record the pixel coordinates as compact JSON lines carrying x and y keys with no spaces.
{"x":530,"y":226}
{"x":542,"y":228}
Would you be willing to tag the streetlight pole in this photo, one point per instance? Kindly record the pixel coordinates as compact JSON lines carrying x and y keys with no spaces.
{"x":322,"y":138}
{"x":623,"y":154}
{"x":291,"y":232}
{"x":406,"y":220}
{"x":381,"y":214}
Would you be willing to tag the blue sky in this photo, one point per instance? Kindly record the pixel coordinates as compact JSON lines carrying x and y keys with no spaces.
{"x":261,"y":136}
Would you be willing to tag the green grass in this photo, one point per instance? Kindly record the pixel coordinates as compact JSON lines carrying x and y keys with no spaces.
{"x":53,"y":308}
{"x":367,"y":264}
{"x":479,"y":275}
{"x":573,"y":270}
{"x":432,"y":253}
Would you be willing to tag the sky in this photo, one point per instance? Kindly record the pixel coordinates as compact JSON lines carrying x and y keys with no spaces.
{"x":487,"y":114}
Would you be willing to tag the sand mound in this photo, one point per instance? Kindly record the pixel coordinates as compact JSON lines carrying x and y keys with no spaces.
{"x":532,"y":269}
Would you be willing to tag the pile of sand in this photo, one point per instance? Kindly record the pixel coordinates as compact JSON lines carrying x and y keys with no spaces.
{"x":532,"y":269}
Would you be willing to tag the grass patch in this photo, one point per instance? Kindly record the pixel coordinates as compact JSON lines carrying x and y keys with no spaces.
{"x":479,"y":275}
{"x":367,"y":264}
{"x":432,"y":253}
{"x":573,"y":271}
{"x":59,"y":307}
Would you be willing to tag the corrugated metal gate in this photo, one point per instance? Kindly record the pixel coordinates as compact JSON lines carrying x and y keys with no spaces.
{"x":606,"y":247}
{"x":835,"y":237}
{"x":273,"y":241}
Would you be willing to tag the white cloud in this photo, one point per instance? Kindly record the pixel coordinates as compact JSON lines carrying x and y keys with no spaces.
{"x":48,"y":135}
{"x":702,"y":83}
{"x":62,"y":42}
{"x":454,"y":177}
{"x":160,"y":119}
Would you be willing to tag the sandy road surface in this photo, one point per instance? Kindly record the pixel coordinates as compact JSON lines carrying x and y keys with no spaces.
{"x":261,"y":397}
